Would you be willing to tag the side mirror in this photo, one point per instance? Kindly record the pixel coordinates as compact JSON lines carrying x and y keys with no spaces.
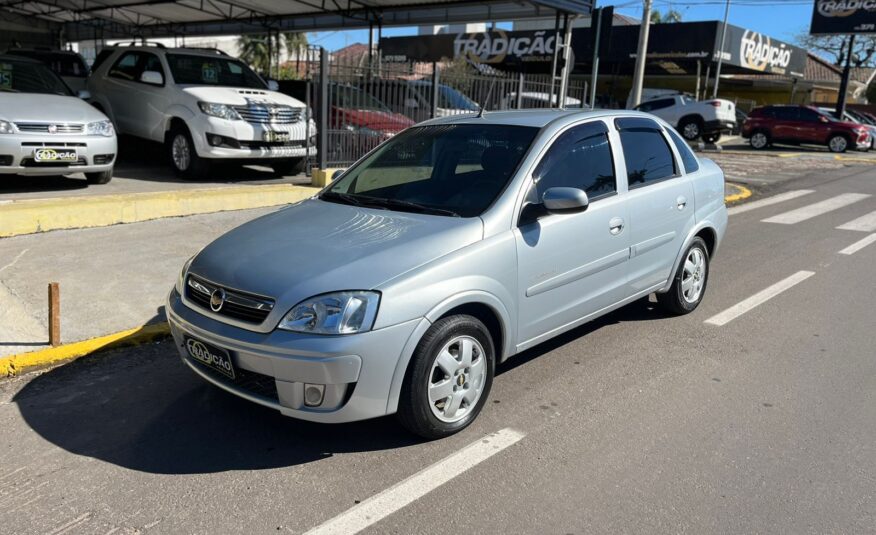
{"x":565,"y":200}
{"x":152,"y":78}
{"x":273,"y":85}
{"x":83,"y":94}
{"x":823,"y":119}
{"x":337,"y":173}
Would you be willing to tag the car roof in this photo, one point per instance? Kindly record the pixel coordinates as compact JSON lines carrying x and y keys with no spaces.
{"x":534,"y":118}
{"x":210,"y":53}
{"x":23,"y":59}
{"x":29,"y":50}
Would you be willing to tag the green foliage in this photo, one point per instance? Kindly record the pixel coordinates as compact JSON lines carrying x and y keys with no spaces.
{"x":670,"y":16}
{"x":254,"y":49}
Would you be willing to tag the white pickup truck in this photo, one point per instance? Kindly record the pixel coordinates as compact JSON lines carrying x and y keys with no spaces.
{"x":707,"y":119}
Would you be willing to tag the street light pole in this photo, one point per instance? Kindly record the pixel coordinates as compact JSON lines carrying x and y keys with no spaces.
{"x":639,"y":72}
{"x":721,"y":50}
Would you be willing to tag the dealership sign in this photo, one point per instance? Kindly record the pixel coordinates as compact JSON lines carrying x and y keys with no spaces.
{"x":843,"y":17}
{"x":759,"y":53}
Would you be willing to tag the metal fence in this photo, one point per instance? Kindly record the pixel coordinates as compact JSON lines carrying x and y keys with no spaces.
{"x":358,"y":100}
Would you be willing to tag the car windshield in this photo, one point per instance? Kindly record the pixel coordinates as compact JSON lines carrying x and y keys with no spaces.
{"x":451,"y":170}
{"x":208,"y":70}
{"x":65,"y":64}
{"x":349,"y":97}
{"x":30,"y":77}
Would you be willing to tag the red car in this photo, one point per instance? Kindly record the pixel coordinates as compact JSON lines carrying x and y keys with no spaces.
{"x":802,"y":125}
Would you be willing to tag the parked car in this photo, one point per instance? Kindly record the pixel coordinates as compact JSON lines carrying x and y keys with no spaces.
{"x":693,"y":120}
{"x":46,"y":130}
{"x":413,"y":98}
{"x":799,"y":125}
{"x":206,"y":107}
{"x":450,"y":248}
{"x":450,"y":100}
{"x":850,"y":116}
{"x":67,"y":64}
{"x":359,"y":122}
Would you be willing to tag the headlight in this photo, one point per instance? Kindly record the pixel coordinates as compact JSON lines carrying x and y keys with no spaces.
{"x":223,"y":111}
{"x":101,"y":128}
{"x":335,"y":313}
{"x":6,"y":127}
{"x":180,"y":281}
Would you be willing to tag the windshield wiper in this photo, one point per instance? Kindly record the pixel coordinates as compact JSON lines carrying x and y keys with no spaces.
{"x":344,"y":198}
{"x":408,"y":205}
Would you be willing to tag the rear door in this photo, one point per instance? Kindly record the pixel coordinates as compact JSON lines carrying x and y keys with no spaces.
{"x":786,"y":125}
{"x":572,"y":265}
{"x":660,"y":199}
{"x":812,"y":126}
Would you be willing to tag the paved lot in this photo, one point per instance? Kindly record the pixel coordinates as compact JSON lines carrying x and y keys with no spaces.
{"x":638,"y":422}
{"x":142,"y":167}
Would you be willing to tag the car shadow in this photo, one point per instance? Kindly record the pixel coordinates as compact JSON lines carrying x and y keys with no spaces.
{"x":30,"y":184}
{"x":141,"y":408}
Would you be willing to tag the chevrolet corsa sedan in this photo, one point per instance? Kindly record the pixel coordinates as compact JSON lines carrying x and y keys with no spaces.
{"x":451,"y":247}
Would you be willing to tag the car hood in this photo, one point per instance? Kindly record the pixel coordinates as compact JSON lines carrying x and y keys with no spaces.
{"x":316,"y":247}
{"x":381,"y":121}
{"x":239,"y":96}
{"x":35,"y":107}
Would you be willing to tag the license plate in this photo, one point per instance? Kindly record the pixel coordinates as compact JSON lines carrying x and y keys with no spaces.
{"x":273,"y":137}
{"x":210,"y":356}
{"x":55,"y":155}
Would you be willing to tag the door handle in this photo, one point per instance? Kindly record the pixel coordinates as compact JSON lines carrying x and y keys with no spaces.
{"x":616,"y":225}
{"x":681,"y":202}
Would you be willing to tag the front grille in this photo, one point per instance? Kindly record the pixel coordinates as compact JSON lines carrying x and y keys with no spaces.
{"x":238,"y":305}
{"x":52,"y":144}
{"x":269,"y":114}
{"x":50,"y":128}
{"x":255,"y":383}
{"x":29,"y":162}
{"x":103,"y":159}
{"x":272,"y":144}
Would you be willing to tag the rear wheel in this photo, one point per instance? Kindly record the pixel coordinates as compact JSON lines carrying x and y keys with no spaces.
{"x":292,"y":166}
{"x":759,"y":140}
{"x":691,"y":128}
{"x":689,"y":284}
{"x":183,"y":157}
{"x":449,"y":378}
{"x":99,"y":178}
{"x":838,"y":143}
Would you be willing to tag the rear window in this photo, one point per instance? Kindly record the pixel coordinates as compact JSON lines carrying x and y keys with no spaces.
{"x":63,"y":64}
{"x":687,"y":156}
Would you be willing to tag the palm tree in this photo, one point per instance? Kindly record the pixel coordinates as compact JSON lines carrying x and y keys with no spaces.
{"x":254,"y":50}
{"x":671,"y":16}
{"x":296,"y":43}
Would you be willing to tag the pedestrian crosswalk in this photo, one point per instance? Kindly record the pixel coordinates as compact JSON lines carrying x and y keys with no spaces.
{"x":816,"y":209}
{"x":865,"y":223}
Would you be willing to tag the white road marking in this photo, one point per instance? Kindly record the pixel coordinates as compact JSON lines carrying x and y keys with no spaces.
{"x":817,"y":209}
{"x":858,"y":245}
{"x":865,"y":223}
{"x":394,"y":498}
{"x":759,"y":298}
{"x":775,"y":199}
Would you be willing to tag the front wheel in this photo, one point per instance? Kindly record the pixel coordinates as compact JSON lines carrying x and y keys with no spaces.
{"x":689,"y":284}
{"x":183,"y":156}
{"x":448,"y":379}
{"x":837,"y":143}
{"x":759,"y":140}
{"x":99,"y":178}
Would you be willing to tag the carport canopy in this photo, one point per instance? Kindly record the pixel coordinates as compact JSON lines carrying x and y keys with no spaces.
{"x":78,"y":20}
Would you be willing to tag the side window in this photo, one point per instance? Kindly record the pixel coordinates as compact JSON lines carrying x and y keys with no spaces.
{"x":786,"y":113}
{"x":810,"y":116}
{"x":152,"y":63}
{"x":656,"y":104}
{"x":646,"y":152}
{"x":126,"y":67}
{"x":579,"y":158}
{"x":687,"y":157}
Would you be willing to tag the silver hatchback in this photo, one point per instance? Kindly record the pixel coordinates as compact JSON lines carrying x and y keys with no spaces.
{"x":451,"y":247}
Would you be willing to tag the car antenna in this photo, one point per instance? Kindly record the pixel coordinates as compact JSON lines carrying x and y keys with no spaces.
{"x":487,"y":99}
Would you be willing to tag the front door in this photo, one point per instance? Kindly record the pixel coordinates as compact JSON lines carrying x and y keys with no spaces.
{"x":572,"y":265}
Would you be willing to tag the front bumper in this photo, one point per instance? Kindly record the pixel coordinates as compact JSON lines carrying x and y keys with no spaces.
{"x":357,"y":370}
{"x":246,"y":133}
{"x":17,"y":151}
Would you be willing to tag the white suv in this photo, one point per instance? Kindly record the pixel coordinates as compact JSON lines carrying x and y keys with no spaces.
{"x":707,"y":119}
{"x":204,"y":106}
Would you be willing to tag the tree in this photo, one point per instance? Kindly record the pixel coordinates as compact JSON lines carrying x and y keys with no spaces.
{"x":835,"y":47}
{"x":670,"y":16}
{"x":255,"y":49}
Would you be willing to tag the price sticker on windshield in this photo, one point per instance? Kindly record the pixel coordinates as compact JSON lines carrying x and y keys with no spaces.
{"x":209,"y":73}
{"x":5,"y":76}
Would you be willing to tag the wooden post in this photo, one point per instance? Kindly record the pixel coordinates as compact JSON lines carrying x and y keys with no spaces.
{"x":54,"y":314}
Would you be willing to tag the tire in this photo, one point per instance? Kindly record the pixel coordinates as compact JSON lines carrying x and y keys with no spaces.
{"x":99,"y":178}
{"x":684,"y":300}
{"x":759,"y":140}
{"x":837,"y":143}
{"x":182,"y":154}
{"x":712,"y":138}
{"x":691,"y":128}
{"x":292,"y":166}
{"x":437,"y":367}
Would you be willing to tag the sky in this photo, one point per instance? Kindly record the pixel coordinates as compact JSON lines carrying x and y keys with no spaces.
{"x":782,"y":19}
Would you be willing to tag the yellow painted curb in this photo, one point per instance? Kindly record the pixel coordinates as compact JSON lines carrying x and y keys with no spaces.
{"x":323,"y":177}
{"x":853,"y":159}
{"x":744,"y":193}
{"x":41,"y":215}
{"x":15,"y":364}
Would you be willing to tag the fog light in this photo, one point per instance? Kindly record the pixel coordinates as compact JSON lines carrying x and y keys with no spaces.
{"x":313,"y":394}
{"x":215,"y":140}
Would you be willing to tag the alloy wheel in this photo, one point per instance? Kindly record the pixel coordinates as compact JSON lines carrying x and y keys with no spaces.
{"x":838,"y":144}
{"x":691,"y":131}
{"x":694,"y":276}
{"x":758,"y":140}
{"x":456,"y":381}
{"x":180,"y":152}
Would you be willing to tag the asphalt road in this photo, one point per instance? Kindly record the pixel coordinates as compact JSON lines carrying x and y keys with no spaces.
{"x":636,"y":423}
